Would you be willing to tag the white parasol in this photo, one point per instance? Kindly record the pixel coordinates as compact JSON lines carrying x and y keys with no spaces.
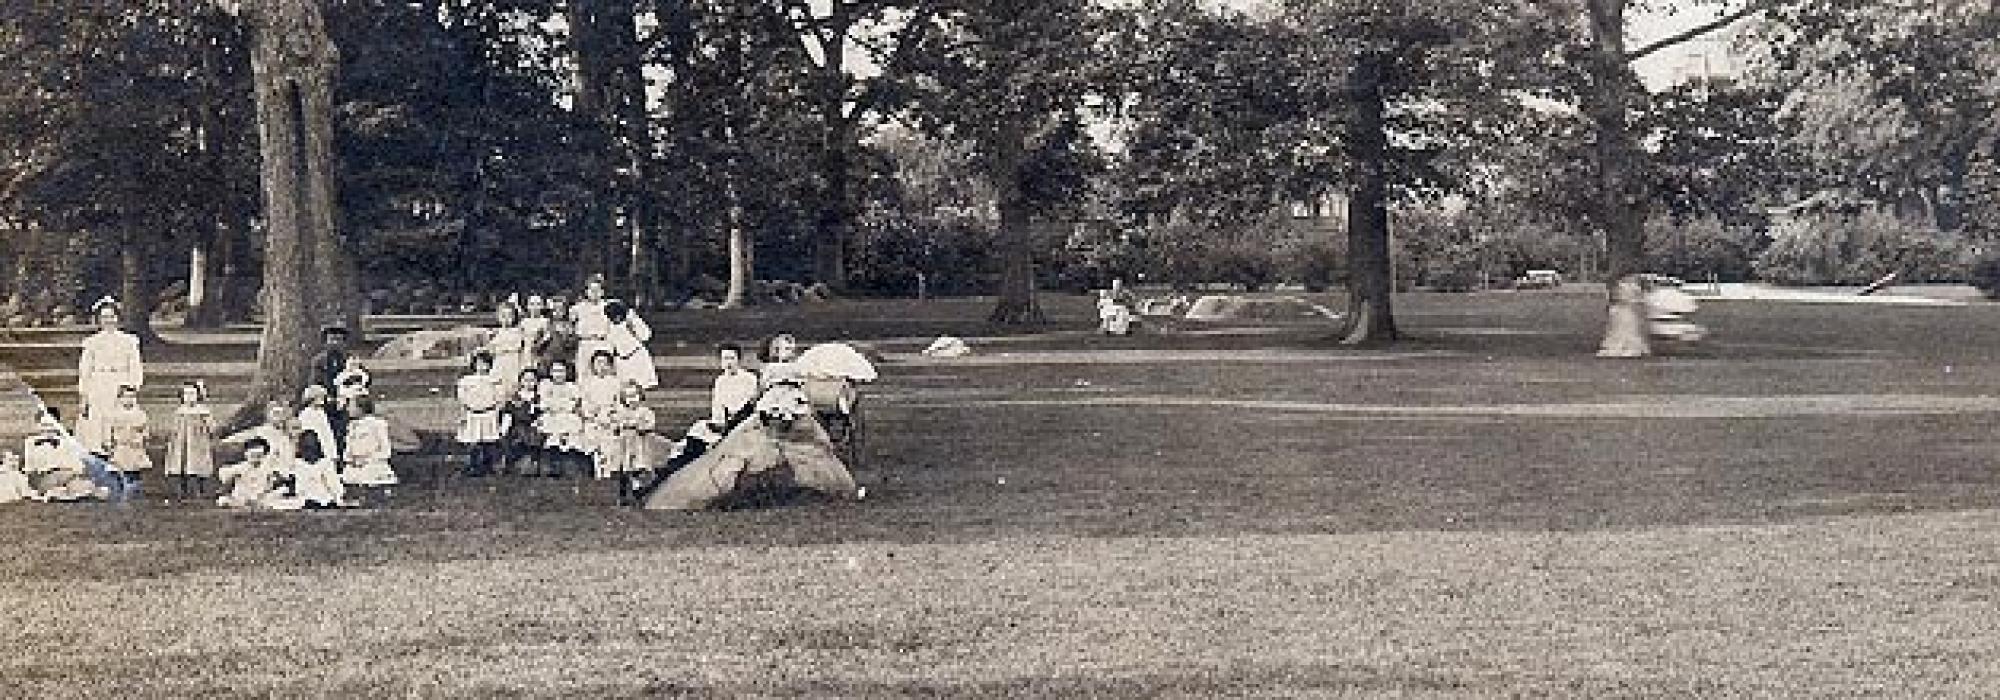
{"x":836,"y":360}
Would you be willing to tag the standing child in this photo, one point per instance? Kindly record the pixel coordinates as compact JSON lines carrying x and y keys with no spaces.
{"x":351,"y":385}
{"x":314,"y":418}
{"x":524,"y":440}
{"x":191,"y":451}
{"x":559,"y":339}
{"x":14,"y":486}
{"x":599,"y":390}
{"x":561,"y":404}
{"x":479,"y":428}
{"x":128,"y":441}
{"x":252,"y":482}
{"x":627,"y":334}
{"x":535,"y":327}
{"x":368,"y":452}
{"x":509,"y":346}
{"x":630,"y":451}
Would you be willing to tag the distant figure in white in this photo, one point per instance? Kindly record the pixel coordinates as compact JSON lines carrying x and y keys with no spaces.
{"x":1113,"y":316}
{"x":110,"y":360}
{"x":1625,"y":337}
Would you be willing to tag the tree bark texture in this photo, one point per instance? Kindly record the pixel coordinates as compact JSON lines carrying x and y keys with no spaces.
{"x":293,"y":62}
{"x":1017,"y":304}
{"x":1370,"y":318}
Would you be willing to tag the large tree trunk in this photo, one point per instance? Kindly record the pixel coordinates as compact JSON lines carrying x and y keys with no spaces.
{"x":293,"y":61}
{"x":1017,"y":304}
{"x":1621,"y":194}
{"x":1369,"y":272}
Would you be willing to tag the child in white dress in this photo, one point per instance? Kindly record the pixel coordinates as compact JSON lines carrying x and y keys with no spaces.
{"x":128,"y":433}
{"x":630,"y":452}
{"x":313,"y":418}
{"x":14,"y":486}
{"x":251,"y":483}
{"x":561,"y":422}
{"x":480,"y":426}
{"x":599,"y":391}
{"x":315,"y":479}
{"x":191,"y":450}
{"x":368,"y":451}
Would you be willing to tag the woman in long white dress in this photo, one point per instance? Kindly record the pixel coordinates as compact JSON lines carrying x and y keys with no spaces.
{"x":628,"y":335}
{"x":110,"y":360}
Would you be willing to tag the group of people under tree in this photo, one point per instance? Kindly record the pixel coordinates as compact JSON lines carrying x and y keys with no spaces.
{"x":526,"y":408}
{"x":303,"y":456}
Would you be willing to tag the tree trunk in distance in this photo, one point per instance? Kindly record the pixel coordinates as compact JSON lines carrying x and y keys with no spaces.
{"x":1620,"y":194}
{"x":1370,"y":318}
{"x":292,"y":60}
{"x":835,"y":216}
{"x":1017,"y":305}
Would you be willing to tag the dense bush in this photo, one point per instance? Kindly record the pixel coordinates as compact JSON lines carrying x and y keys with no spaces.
{"x":1858,"y":249}
{"x":1701,"y":249}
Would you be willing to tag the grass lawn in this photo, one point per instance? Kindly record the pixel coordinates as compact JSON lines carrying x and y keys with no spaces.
{"x":1808,"y":506}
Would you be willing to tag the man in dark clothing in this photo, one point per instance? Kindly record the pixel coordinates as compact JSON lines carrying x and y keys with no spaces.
{"x":326,"y":367}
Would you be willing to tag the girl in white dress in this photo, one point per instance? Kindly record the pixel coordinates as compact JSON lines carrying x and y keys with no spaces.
{"x":253,"y":482}
{"x":315,"y":480}
{"x":191,"y":451}
{"x":313,"y":418}
{"x":509,"y":347}
{"x":628,"y":335}
{"x":368,"y":453}
{"x":599,"y":393}
{"x":535,"y":328}
{"x":110,"y":360}
{"x":589,"y":322}
{"x":14,"y":486}
{"x":479,"y":428}
{"x":561,"y":422}
{"x":630,"y":451}
{"x":128,"y":440}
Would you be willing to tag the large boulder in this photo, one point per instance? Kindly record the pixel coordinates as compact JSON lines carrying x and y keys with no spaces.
{"x":434,"y":344}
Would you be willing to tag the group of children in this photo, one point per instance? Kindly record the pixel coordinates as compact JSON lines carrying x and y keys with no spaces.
{"x":525,"y":409}
{"x":551,"y":423}
{"x":294,"y":460}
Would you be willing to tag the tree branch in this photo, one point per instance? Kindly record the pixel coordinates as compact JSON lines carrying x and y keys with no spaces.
{"x":1698,"y":31}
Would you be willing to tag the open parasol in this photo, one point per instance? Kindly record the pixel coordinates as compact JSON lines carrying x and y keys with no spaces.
{"x":836,"y":360}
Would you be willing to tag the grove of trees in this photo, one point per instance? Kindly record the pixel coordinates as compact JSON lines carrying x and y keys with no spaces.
{"x":214,"y":159}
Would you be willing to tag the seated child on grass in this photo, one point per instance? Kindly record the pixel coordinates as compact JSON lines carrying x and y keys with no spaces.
{"x":14,"y":486}
{"x":253,"y":482}
{"x":368,"y":451}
